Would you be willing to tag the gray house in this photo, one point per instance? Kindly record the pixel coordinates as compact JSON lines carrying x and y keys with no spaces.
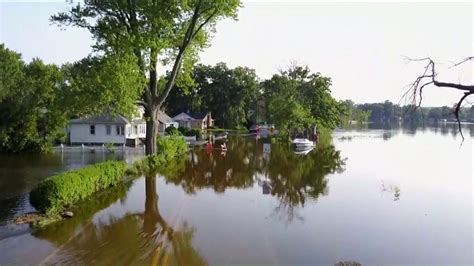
{"x":165,"y":121}
{"x":202,"y":120}
{"x":114,"y":129}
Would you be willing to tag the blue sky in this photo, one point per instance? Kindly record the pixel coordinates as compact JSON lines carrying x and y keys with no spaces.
{"x":359,"y":45}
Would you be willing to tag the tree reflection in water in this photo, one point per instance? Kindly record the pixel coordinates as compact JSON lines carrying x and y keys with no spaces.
{"x":291,"y":178}
{"x":144,"y":238}
{"x":135,"y":238}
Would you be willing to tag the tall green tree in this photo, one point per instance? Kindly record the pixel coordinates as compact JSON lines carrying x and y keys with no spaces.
{"x":11,"y":70}
{"x":231,"y":95}
{"x":296,"y":98}
{"x":116,"y":78}
{"x":154,"y":31}
{"x":31,"y":115}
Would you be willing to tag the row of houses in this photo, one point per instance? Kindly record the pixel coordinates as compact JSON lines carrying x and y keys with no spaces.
{"x":119,"y":130}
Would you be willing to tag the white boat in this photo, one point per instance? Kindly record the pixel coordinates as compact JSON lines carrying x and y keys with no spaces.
{"x":302,"y":143}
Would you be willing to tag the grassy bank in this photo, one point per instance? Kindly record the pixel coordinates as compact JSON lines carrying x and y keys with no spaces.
{"x":62,"y":191}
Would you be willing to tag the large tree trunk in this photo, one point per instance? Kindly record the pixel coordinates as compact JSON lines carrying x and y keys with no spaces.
{"x":151,"y":131}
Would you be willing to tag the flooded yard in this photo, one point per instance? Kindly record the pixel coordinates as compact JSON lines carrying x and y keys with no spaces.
{"x":376,"y":196}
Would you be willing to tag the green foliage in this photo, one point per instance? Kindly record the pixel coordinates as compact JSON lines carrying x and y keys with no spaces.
{"x":289,"y":115}
{"x":83,"y":210}
{"x":195,"y":132}
{"x":387,"y":113}
{"x":32,"y":113}
{"x":171,"y":130}
{"x":230,"y":94}
{"x":191,"y":132}
{"x":63,"y":190}
{"x":293,"y":178}
{"x":11,"y":71}
{"x":349,"y":112}
{"x":94,"y":84}
{"x":325,"y":136}
{"x":296,"y":99}
{"x":168,"y":159}
{"x":171,"y":146}
{"x":167,"y":32}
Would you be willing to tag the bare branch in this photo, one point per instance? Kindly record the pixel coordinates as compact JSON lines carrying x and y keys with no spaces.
{"x":428,"y":77}
{"x":458,"y":108}
{"x":463,"y":61}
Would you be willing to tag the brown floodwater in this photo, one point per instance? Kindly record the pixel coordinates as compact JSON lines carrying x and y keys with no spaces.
{"x":377,"y":196}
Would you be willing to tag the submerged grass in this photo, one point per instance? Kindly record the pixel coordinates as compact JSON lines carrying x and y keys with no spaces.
{"x":61,"y":192}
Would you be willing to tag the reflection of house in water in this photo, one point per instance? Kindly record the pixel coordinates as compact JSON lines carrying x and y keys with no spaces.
{"x":266,"y":187}
{"x":265,"y":184}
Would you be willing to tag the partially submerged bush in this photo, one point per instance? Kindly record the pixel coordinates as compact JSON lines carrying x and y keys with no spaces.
{"x":195,"y":132}
{"x":170,"y":148}
{"x":61,"y":191}
{"x":191,"y":132}
{"x":171,"y":130}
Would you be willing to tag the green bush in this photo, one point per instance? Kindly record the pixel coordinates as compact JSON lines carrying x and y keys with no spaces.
{"x":170,"y":148}
{"x":183,"y":130}
{"x":171,"y":130}
{"x":191,"y":132}
{"x":63,"y":190}
{"x":195,"y":132}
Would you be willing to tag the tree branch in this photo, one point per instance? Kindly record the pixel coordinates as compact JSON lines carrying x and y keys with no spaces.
{"x":464,"y":61}
{"x":458,"y":108}
{"x":204,"y":23}
{"x":181,"y":50}
{"x":429,"y":77}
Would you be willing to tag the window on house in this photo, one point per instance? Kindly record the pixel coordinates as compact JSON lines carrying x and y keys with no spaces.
{"x":120,"y":130}
{"x":92,"y":129}
{"x":108,"y":129}
{"x":135,"y":130}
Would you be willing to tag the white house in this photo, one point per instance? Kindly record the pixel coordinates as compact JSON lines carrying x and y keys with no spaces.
{"x":115,"y":129}
{"x":106,"y":128}
{"x":201,"y":120}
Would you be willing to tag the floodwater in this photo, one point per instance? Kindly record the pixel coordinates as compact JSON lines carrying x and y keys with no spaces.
{"x":377,"y":196}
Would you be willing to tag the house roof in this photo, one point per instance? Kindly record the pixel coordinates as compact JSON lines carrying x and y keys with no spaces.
{"x":164,"y":118}
{"x":198,"y":115}
{"x":101,"y":119}
{"x":192,"y":116}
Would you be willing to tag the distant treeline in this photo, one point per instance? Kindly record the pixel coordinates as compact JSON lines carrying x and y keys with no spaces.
{"x":389,"y":113}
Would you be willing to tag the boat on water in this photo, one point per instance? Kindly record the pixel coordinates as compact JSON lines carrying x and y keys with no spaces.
{"x":302,"y":143}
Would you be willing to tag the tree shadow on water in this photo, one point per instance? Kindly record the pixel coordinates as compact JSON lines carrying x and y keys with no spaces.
{"x":291,"y":178}
{"x":134,"y":238}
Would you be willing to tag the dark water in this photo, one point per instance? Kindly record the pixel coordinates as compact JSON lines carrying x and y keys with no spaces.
{"x":380,"y":197}
{"x":20,"y":173}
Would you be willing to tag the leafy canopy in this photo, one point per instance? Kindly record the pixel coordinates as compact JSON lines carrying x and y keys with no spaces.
{"x":151,"y":30}
{"x":31,"y":113}
{"x":296,"y":98}
{"x":230,"y":94}
{"x":95,"y":84}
